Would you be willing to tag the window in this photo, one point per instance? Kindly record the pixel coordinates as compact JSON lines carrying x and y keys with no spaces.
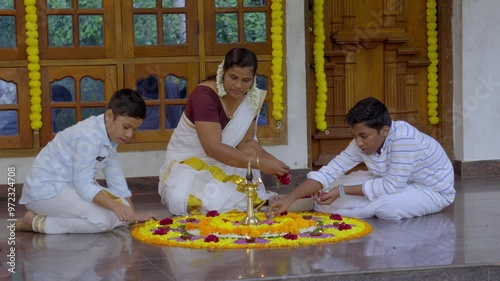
{"x":91,"y":48}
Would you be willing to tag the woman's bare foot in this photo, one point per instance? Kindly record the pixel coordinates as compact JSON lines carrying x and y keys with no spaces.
{"x":144,"y":216}
{"x":25,"y":223}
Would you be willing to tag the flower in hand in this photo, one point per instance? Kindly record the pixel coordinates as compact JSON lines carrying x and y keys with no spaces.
{"x":285,"y":179}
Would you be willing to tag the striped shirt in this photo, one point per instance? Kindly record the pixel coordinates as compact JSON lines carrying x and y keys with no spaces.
{"x":407,"y":157}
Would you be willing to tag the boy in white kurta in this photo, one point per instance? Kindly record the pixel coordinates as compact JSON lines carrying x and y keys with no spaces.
{"x":61,"y":192}
{"x":409,"y":173}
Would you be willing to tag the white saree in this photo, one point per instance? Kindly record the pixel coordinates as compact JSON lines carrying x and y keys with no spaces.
{"x":191,"y":182}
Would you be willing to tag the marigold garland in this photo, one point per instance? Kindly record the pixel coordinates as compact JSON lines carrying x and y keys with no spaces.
{"x":224,"y":231}
{"x":319,"y":64}
{"x":277,"y":58}
{"x":432,"y":76}
{"x":33,"y":64}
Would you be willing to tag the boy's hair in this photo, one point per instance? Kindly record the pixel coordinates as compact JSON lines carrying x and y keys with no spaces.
{"x":127,"y":102}
{"x":371,"y":112}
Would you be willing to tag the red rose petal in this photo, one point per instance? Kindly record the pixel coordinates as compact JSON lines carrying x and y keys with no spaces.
{"x":166,"y":221}
{"x":211,"y":238}
{"x":212,"y":213}
{"x":285,"y":179}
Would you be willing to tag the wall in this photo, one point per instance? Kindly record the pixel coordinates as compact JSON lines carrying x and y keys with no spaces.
{"x":295,"y":154}
{"x":477,"y":80}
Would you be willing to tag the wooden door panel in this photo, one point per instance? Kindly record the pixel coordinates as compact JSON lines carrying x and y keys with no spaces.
{"x":377,"y":48}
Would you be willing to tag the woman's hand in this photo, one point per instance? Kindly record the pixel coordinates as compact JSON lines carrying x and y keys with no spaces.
{"x":273,"y":166}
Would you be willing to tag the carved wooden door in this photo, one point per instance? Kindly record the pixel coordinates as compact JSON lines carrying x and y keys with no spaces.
{"x":373,"y":48}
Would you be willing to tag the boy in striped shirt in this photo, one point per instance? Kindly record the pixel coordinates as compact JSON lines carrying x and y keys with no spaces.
{"x":409,"y":174}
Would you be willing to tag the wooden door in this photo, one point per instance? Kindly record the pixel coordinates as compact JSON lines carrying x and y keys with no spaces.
{"x":373,"y":48}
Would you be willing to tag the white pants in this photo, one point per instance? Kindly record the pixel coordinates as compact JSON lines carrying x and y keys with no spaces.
{"x":67,"y":212}
{"x":412,"y":202}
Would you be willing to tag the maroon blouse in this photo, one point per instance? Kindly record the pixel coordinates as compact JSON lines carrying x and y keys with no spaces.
{"x":204,"y":105}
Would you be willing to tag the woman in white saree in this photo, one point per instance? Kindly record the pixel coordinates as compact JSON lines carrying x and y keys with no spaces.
{"x":215,"y":140}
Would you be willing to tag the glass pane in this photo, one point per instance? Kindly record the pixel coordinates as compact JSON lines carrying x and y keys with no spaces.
{"x":226,"y":26}
{"x":152,"y":121}
{"x":59,"y":4}
{"x":226,"y":3}
{"x":63,"y":118}
{"x":148,"y":88}
{"x":262,"y":121}
{"x":91,"y":4}
{"x":7,"y":4}
{"x":254,"y":3}
{"x":8,"y":92}
{"x":173,"y":3}
{"x":92,"y":111}
{"x":63,"y":90}
{"x":175,"y":88}
{"x":91,"y":30}
{"x":145,"y":30}
{"x":173,"y":115}
{"x":174,"y":29}
{"x":8,"y":123}
{"x":144,"y":3}
{"x":60,"y":30}
{"x":91,"y":90}
{"x":7,"y":32}
{"x":261,"y":82}
{"x":255,"y":27}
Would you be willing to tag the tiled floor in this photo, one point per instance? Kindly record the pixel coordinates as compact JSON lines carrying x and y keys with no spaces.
{"x":460,"y":243}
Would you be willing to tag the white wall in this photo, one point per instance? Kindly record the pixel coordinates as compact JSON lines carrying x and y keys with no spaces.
{"x":477,"y":99}
{"x":295,"y":154}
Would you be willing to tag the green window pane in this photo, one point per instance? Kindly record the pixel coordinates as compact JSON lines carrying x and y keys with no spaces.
{"x":90,"y":4}
{"x":8,"y":92}
{"x":226,"y":3}
{"x":7,"y":4}
{"x":152,"y":120}
{"x":254,"y":27}
{"x":173,"y":3}
{"x":7,"y":32}
{"x":254,"y":3}
{"x":91,"y":90}
{"x":144,"y":3}
{"x":91,"y":111}
{"x":63,"y":90}
{"x":9,"y":123}
{"x":60,"y":30}
{"x":63,"y":118}
{"x":226,"y":25}
{"x":145,"y":30}
{"x":174,"y":29}
{"x":59,"y":4}
{"x":91,"y":30}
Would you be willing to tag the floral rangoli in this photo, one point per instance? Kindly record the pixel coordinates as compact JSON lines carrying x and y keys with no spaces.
{"x":214,"y":230}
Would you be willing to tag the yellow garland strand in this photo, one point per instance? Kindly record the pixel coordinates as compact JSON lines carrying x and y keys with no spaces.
{"x":33,"y":64}
{"x":277,"y":58}
{"x":319,"y":64}
{"x":432,"y":76}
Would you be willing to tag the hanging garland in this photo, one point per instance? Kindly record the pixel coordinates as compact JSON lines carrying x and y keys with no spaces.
{"x":319,"y":65}
{"x":432,"y":76}
{"x":33,"y":64}
{"x":277,"y":58}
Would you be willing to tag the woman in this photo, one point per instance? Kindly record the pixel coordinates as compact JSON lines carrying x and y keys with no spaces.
{"x":215,"y":140}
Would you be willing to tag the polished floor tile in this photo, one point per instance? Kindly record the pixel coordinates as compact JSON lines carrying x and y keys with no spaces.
{"x":460,"y":243}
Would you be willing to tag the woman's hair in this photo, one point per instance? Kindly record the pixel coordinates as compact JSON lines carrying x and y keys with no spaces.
{"x":371,"y":112}
{"x":240,"y":57}
{"x":127,"y":102}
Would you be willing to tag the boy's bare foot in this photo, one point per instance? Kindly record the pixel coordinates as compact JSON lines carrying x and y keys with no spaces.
{"x":25,"y":223}
{"x":144,"y":216}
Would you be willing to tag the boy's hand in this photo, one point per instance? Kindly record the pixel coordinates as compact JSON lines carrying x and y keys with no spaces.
{"x":326,"y":198}
{"x":277,"y":206}
{"x":124,"y":213}
{"x":140,"y":217}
